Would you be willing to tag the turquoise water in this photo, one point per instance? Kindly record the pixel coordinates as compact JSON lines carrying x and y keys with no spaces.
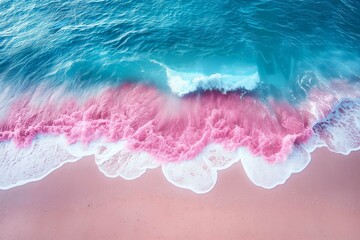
{"x":290,"y":44}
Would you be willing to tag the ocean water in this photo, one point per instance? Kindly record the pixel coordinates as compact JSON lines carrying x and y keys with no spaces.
{"x":192,"y":87}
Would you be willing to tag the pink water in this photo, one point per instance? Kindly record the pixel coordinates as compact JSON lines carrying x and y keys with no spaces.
{"x":169,"y":128}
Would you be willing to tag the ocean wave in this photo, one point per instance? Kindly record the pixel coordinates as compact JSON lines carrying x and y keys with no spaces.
{"x":182,"y":83}
{"x":136,"y":127}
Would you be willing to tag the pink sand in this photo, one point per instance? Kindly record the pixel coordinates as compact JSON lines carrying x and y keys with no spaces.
{"x":78,"y":202}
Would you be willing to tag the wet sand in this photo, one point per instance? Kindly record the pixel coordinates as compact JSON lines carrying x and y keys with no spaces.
{"x":78,"y":202}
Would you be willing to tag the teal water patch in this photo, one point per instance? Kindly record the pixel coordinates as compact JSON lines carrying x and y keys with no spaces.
{"x":80,"y":44}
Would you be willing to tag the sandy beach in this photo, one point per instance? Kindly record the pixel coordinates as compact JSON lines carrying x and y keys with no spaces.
{"x":78,"y":202}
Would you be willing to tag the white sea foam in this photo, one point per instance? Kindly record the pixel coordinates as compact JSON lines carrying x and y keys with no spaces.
{"x":115,"y":160}
{"x":200,"y":174}
{"x":269,"y":175}
{"x":22,"y":165}
{"x":182,"y":83}
{"x":340,"y":131}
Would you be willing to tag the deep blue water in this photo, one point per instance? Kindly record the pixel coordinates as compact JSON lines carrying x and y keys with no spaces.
{"x":290,"y":44}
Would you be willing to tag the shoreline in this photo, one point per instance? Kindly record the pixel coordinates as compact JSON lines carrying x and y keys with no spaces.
{"x":77,"y":202}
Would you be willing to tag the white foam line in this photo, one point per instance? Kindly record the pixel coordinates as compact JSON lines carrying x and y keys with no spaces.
{"x":22,"y":182}
{"x":200,"y":175}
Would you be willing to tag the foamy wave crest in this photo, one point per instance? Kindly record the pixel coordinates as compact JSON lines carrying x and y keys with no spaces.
{"x":182,"y":83}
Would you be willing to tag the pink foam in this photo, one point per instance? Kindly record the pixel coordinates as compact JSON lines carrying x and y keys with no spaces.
{"x":167,"y":127}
